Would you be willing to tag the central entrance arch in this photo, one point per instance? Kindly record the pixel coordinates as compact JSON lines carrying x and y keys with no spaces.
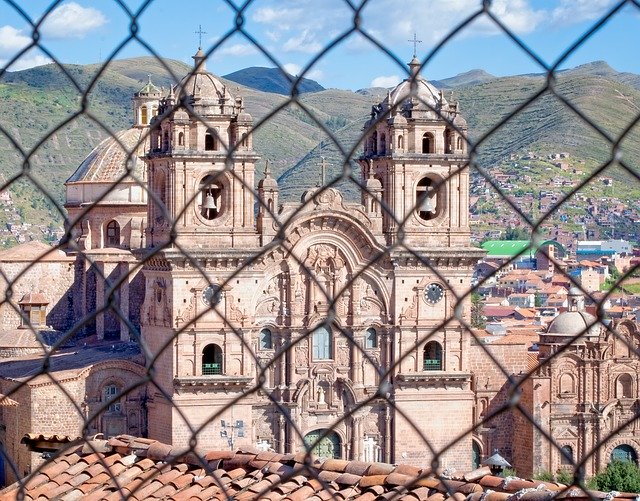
{"x":328,"y":447}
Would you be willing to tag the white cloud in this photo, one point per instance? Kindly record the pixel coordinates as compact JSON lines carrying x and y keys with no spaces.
{"x":284,"y":18}
{"x":574,"y":11}
{"x":314,"y":74}
{"x":27,"y":61}
{"x":303,"y":42}
{"x":274,"y":36}
{"x":292,"y":68}
{"x":71,"y":20}
{"x":385,"y":81}
{"x":237,"y":50}
{"x":12,"y":40}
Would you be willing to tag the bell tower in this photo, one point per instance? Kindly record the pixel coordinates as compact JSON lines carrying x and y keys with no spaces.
{"x":201,"y":166}
{"x":416,"y":148}
{"x":415,"y":170}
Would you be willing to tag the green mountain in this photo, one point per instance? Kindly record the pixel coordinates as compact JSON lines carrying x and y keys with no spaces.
{"x":272,"y":80}
{"x":47,"y":127}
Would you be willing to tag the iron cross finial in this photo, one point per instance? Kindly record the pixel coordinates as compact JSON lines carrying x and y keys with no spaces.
{"x":415,"y":43}
{"x":200,"y":33}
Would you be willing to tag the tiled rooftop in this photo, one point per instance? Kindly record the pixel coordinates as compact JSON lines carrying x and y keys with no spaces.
{"x":126,"y":467}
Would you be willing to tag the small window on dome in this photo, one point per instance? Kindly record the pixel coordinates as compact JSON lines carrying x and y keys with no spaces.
{"x":144,"y":116}
{"x":181,"y":139}
{"x":400,"y":142}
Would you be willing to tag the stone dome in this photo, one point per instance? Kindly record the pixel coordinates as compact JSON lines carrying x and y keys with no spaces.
{"x":108,"y":160}
{"x":103,"y":170}
{"x":426,"y":95}
{"x":573,"y":323}
{"x":202,"y":85}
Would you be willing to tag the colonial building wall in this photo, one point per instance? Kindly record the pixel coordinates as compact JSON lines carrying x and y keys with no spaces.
{"x":53,"y":276}
{"x":438,"y":416}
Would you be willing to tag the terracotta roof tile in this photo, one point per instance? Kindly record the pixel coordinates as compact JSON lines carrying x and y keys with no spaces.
{"x":142,"y":469}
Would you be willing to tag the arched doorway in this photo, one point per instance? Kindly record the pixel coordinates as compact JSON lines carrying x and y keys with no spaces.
{"x":328,"y":447}
{"x":624,"y":452}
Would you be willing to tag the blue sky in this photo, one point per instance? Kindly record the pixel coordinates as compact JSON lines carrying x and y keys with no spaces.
{"x":294,"y":31}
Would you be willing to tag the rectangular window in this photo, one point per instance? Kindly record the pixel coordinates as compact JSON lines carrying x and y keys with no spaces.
{"x":321,"y":341}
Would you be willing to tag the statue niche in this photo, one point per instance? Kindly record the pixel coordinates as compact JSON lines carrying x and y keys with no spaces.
{"x":325,"y":274}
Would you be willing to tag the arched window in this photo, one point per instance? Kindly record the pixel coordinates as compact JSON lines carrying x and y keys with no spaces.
{"x":144,"y":115}
{"x":209,"y":142}
{"x":321,"y":341}
{"x":624,"y":452}
{"x":210,"y":198}
{"x":165,"y":140}
{"x":428,"y":144}
{"x":113,"y":234}
{"x":432,"y":356}
{"x":460,"y":143}
{"x":181,"y":139}
{"x":109,"y":395}
{"x":266,"y":340}
{"x":448,"y":141}
{"x":371,"y":338}
{"x":624,"y":386}
{"x":400,"y":142}
{"x":212,"y":360}
{"x":374,"y":142}
{"x":244,"y":143}
{"x":566,"y":455}
{"x":426,"y":199}
{"x":567,"y":383}
{"x":383,"y":144}
{"x":476,"y":454}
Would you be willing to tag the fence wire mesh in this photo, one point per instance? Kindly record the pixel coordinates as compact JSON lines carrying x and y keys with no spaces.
{"x":237,"y":362}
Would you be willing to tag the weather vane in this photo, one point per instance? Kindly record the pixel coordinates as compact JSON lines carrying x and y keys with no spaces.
{"x":200,"y":33}
{"x":415,"y":43}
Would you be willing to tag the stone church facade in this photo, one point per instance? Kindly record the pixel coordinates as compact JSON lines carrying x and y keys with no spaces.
{"x":308,"y":300}
{"x":328,"y":323}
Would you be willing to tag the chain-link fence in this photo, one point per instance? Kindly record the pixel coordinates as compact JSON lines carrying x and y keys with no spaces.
{"x":194,"y":301}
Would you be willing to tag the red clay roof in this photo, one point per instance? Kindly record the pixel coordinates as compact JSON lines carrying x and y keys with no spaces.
{"x":126,"y":467}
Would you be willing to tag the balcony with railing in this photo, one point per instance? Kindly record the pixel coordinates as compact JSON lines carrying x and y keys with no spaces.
{"x":432,"y":364}
{"x":211,"y":369}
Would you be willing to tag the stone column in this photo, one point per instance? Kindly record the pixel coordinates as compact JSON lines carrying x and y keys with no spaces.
{"x":100,"y":285}
{"x":124,"y":268}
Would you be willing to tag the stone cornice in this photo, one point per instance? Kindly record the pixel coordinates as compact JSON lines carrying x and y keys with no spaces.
{"x":219,"y":382}
{"x":433,"y":379}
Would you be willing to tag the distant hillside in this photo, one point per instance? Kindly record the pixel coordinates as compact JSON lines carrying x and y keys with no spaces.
{"x":34,"y":102}
{"x":468,"y":78}
{"x":272,"y":80}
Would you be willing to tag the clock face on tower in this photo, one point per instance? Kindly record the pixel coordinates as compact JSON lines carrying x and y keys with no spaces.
{"x":433,"y":293}
{"x":211,"y":295}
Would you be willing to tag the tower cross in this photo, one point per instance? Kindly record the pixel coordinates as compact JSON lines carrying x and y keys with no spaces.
{"x":415,"y":43}
{"x":200,"y":33}
{"x":323,"y":171}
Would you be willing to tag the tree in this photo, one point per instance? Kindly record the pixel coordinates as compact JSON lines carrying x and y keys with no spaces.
{"x":622,"y":476}
{"x":517,"y":234}
{"x":477,"y":304}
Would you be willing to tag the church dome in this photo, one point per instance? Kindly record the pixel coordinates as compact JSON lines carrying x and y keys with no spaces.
{"x":573,"y":323}
{"x":202,"y":85}
{"x":108,"y":161}
{"x":100,"y":177}
{"x":576,"y":321}
{"x":425,"y":96}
